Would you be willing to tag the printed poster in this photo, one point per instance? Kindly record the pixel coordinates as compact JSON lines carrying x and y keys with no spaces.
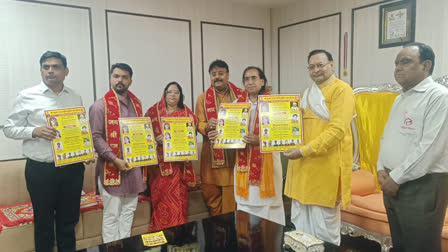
{"x":73,"y":143}
{"x":233,"y":123}
{"x":280,"y":121}
{"x":179,"y":139}
{"x":138,"y":144}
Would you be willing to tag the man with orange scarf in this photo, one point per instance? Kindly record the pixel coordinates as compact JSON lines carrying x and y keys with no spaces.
{"x":258,"y":177}
{"x":217,"y":164}
{"x":169,"y":180}
{"x":118,"y":184}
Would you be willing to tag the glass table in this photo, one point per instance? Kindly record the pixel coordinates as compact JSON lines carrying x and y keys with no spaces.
{"x":236,"y":231}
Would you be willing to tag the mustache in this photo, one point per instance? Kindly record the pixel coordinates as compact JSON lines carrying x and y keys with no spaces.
{"x":217,"y":80}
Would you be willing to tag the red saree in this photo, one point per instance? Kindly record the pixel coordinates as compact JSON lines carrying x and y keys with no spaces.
{"x":168,"y":181}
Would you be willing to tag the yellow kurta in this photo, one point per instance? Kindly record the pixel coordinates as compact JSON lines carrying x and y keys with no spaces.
{"x":324,"y":173}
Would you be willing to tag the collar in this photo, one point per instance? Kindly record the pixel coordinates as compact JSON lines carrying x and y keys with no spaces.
{"x":327,"y":82}
{"x":423,"y":85}
{"x":43,"y":88}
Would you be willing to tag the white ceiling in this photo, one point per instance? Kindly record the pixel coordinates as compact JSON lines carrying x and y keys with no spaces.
{"x":266,"y":3}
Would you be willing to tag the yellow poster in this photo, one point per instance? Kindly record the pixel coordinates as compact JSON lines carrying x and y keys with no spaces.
{"x":233,"y":123}
{"x":280,"y":121}
{"x":73,"y":141}
{"x":179,"y":139}
{"x":154,"y":239}
{"x":137,"y":141}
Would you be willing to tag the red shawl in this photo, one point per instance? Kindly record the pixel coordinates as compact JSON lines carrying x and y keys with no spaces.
{"x":156,"y":112}
{"x":211,"y":110}
{"x":254,"y":168}
{"x":111,"y":114}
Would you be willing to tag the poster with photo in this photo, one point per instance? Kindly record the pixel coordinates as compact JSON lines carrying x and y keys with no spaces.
{"x":179,"y":139}
{"x":280,"y":121}
{"x":233,"y":123}
{"x":73,"y":142}
{"x":138,"y":144}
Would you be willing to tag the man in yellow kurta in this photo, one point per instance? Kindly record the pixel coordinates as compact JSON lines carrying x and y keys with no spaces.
{"x":216,"y":164}
{"x":319,"y":173}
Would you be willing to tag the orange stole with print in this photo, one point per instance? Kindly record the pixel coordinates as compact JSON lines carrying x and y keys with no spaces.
{"x":166,"y":168}
{"x":211,"y":110}
{"x":254,"y":168}
{"x":112,"y":113}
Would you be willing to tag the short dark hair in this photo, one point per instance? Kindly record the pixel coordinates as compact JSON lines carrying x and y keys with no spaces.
{"x":122,"y":66}
{"x":51,"y":54}
{"x":260,"y":74}
{"x":426,"y":53}
{"x":218,"y":63}
{"x":180,"y":104}
{"x":314,"y":52}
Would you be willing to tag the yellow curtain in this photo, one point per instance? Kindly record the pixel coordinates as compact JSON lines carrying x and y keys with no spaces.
{"x":372,"y":113}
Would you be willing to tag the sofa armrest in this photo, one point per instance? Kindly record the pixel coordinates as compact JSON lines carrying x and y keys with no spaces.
{"x":363,"y":183}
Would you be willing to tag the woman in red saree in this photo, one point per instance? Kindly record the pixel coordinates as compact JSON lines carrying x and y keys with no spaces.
{"x":169,"y":181}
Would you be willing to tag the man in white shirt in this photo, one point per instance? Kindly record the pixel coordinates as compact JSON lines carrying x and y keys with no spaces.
{"x":413,"y":159}
{"x":55,"y":191}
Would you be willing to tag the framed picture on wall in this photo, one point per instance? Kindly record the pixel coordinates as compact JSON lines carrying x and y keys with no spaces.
{"x":397,"y":23}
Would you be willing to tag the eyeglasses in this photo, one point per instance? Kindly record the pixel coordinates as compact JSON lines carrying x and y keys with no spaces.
{"x":318,"y":66}
{"x":174,"y":92}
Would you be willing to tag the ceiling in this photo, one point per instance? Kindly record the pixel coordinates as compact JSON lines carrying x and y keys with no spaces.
{"x":266,"y":3}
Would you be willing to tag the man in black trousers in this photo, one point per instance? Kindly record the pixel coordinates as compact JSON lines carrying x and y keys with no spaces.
{"x":413,"y":161}
{"x":55,"y":191}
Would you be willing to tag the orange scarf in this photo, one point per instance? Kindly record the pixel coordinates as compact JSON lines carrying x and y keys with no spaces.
{"x":166,"y":168}
{"x":211,"y":105}
{"x":111,"y":114}
{"x":254,"y":168}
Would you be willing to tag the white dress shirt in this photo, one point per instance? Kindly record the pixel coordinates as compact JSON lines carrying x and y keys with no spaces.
{"x":415,"y":139}
{"x":28,"y":114}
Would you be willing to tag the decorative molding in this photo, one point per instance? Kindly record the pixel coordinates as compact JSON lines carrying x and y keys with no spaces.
{"x":156,"y":17}
{"x":89,"y":11}
{"x":303,"y":22}
{"x":353,"y":33}
{"x":91,"y":47}
{"x":228,"y":25}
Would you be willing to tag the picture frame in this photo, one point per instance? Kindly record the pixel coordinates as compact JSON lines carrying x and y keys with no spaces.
{"x":397,"y":23}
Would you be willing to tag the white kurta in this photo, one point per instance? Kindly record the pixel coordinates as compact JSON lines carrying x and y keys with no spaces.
{"x":268,"y":208}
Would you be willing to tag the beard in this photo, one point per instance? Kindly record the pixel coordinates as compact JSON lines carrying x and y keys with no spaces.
{"x":120,"y":88}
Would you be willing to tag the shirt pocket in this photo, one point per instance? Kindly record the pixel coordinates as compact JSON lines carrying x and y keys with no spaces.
{"x":411,"y":125}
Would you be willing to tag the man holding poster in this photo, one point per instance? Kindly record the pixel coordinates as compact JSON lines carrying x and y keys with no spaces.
{"x":217,"y":164}
{"x":55,"y":191}
{"x":319,"y":174}
{"x":118,"y":184}
{"x":258,"y":176}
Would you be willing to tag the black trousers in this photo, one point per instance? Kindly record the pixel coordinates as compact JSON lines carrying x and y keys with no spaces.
{"x":417,"y":213}
{"x":55,"y":193}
